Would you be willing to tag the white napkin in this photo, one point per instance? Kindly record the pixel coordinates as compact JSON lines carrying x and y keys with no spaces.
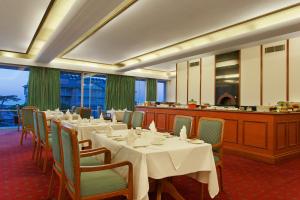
{"x":68,"y":112}
{"x":112,"y":110}
{"x":114,"y":119}
{"x":101,"y":117}
{"x":125,"y":109}
{"x":152,"y":127}
{"x":182,"y":133}
{"x":57,"y":110}
{"x":131,"y":137}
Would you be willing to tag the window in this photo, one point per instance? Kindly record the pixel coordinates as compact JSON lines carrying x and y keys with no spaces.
{"x":94,"y":93}
{"x":70,"y":90}
{"x":161,"y":91}
{"x":140,"y":91}
{"x":13,"y":92}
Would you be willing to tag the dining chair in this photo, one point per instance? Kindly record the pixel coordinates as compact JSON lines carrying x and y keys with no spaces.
{"x":179,"y":122}
{"x":45,"y":138}
{"x":27,"y":122}
{"x":85,"y":113}
{"x":19,"y":115}
{"x":210,"y":130}
{"x":86,"y":160}
{"x":92,"y":182}
{"x":137,"y":119}
{"x":127,"y":118}
{"x":37,"y":140}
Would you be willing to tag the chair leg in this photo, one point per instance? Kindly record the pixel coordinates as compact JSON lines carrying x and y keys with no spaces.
{"x":40,"y":156}
{"x":50,"y":189}
{"x":61,"y":190}
{"x":221,"y":177}
{"x":202,"y":191}
{"x":22,"y":136}
{"x":45,"y":160}
{"x":34,"y":148}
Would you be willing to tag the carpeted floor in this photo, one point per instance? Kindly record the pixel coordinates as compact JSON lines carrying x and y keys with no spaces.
{"x":244,"y":179}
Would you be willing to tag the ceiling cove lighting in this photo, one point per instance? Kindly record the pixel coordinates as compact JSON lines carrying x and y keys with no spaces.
{"x":57,"y":13}
{"x":8,"y":54}
{"x":82,"y":63}
{"x":281,"y":16}
{"x":228,"y":76}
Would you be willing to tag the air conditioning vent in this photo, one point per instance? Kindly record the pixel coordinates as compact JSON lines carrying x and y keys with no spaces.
{"x":194,"y":64}
{"x":275,"y":48}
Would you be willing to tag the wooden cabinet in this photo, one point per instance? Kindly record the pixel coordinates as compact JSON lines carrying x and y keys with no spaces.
{"x":269,"y":137}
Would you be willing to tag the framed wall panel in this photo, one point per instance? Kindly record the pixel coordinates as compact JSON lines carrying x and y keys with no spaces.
{"x":171,"y":90}
{"x":208,"y":80}
{"x":194,"y":80}
{"x":181,"y":82}
{"x":294,"y":69}
{"x":250,"y":76}
{"x":274,"y":73}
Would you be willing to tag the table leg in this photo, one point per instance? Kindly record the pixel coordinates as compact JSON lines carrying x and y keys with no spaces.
{"x":159,"y":189}
{"x":168,"y":187}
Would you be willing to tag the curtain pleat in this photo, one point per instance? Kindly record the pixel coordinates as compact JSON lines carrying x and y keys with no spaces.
{"x":151,"y":89}
{"x":44,"y":88}
{"x":120,"y":92}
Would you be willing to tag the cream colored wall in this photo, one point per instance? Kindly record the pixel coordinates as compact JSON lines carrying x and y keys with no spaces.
{"x":171,"y":90}
{"x":208,"y":80}
{"x":194,"y":82}
{"x":250,"y":76}
{"x":294,"y":70}
{"x":182,"y":85}
{"x":274,"y":75}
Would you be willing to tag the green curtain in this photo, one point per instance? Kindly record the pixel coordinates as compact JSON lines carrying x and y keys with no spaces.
{"x":44,"y":88}
{"x":151,"y":89}
{"x":120,"y":92}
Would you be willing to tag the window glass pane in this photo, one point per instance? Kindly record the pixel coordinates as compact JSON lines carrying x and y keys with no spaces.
{"x":94,"y":93}
{"x":13,"y":91}
{"x":140,"y":91}
{"x":161,"y":91}
{"x":70,"y":90}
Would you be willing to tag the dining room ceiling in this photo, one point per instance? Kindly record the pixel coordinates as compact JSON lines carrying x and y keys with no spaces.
{"x":118,"y":34}
{"x":19,"y":22}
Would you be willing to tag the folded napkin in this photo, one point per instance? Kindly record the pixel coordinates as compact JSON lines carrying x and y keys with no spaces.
{"x":182,"y":133}
{"x":125,"y":109}
{"x":152,"y":127}
{"x":114,"y":119}
{"x":131,"y":137}
{"x":109,"y":131}
{"x":68,"y":112}
{"x":57,"y":110}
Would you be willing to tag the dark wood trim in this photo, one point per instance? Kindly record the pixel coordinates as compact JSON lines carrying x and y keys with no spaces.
{"x":261,"y":74}
{"x":40,"y":25}
{"x":187,"y":80}
{"x":287,"y":70}
{"x":215,"y":72}
{"x":200,"y":96}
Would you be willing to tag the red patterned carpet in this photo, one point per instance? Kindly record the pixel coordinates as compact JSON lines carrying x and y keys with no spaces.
{"x":244,"y":179}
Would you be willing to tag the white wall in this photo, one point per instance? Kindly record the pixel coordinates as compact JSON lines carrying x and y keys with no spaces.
{"x":274,"y":75}
{"x":171,"y":90}
{"x":182,"y":76}
{"x":208,"y":80}
{"x":250,"y":76}
{"x":294,"y":70}
{"x":194,"y":81}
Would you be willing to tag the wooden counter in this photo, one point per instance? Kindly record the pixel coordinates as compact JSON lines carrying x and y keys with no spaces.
{"x":269,"y":137}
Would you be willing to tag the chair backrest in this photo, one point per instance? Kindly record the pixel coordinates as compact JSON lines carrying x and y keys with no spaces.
{"x":180,"y":121}
{"x":55,"y":135}
{"x":119,"y":115}
{"x":35,"y":125}
{"x":127,"y":118}
{"x":77,"y":110}
{"x":27,"y":117}
{"x":211,"y":131}
{"x":137,"y":119}
{"x":42,"y":126}
{"x":70,"y":156}
{"x":85,"y":113}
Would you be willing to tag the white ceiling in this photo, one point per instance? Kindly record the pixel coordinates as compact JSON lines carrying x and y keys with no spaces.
{"x":19,"y":22}
{"x":152,"y":24}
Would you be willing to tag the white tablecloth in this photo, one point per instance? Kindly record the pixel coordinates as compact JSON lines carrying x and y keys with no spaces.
{"x":85,"y":130}
{"x":175,"y":157}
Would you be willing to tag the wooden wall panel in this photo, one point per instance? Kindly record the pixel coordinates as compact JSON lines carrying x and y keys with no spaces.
{"x":181,"y":83}
{"x":231,"y":129}
{"x":255,"y":134}
{"x":292,"y":133}
{"x":171,"y":122}
{"x":250,"y":76}
{"x":274,"y":75}
{"x":161,"y":121}
{"x":281,"y":136}
{"x":150,"y":116}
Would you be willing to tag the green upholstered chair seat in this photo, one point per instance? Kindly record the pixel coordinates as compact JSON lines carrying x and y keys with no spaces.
{"x":90,"y":161}
{"x":99,"y":182}
{"x":216,"y":158}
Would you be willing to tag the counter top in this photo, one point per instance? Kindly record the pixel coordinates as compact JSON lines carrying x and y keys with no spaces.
{"x":213,"y":110}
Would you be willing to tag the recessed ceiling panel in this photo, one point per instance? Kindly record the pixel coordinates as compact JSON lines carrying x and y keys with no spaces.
{"x":148,"y":25}
{"x":19,"y":20}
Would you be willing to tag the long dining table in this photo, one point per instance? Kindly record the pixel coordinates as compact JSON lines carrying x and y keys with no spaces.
{"x":170,"y":157}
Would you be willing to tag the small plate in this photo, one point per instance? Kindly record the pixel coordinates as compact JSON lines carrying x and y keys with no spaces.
{"x":196,"y":141}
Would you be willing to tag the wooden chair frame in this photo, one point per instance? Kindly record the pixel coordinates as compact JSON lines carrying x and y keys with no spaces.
{"x":26,"y":129}
{"x":58,"y":167}
{"x":219,"y":164}
{"x":82,"y":109}
{"x":187,"y":117}
{"x":128,"y":192}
